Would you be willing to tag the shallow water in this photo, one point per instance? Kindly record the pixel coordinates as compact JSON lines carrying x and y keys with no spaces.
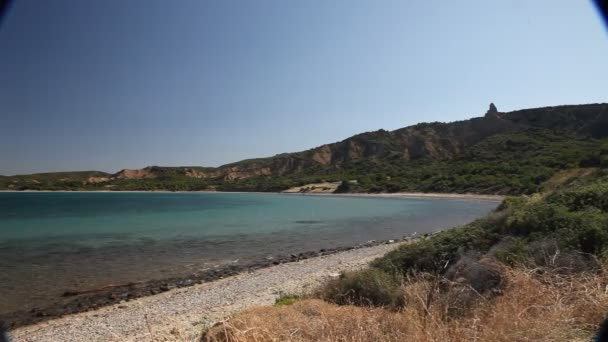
{"x":51,"y":242}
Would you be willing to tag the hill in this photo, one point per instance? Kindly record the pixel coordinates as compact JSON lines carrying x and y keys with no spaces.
{"x":504,"y":153}
{"x":533,"y":270}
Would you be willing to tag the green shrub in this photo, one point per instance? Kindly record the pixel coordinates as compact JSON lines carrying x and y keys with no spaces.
{"x":593,"y":195}
{"x":343,"y":187}
{"x":368,"y":287}
{"x":435,"y":253}
{"x":565,"y":230}
{"x":583,"y":230}
{"x":510,"y":251}
{"x":287,"y":300}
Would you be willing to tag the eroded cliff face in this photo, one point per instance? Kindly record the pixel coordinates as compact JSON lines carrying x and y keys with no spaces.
{"x":427,"y":140}
{"x":94,"y":180}
{"x":135,"y":174}
{"x":430,"y":140}
{"x":153,"y":172}
{"x":322,"y":155}
{"x":248,"y":171}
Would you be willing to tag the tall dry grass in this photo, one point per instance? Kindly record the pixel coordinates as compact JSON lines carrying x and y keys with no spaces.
{"x":534,"y":306}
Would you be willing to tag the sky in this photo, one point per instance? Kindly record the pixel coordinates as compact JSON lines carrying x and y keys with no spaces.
{"x":107,"y":85}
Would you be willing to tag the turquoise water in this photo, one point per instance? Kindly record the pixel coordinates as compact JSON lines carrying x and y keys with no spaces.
{"x":100,"y":218}
{"x":50,"y":242}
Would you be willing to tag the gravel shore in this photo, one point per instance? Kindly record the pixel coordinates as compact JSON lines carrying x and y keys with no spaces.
{"x":181,"y":314}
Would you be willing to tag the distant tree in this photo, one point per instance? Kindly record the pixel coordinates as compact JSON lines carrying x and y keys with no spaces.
{"x":343,"y":187}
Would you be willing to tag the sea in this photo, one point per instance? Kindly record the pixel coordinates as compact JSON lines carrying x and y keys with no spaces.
{"x":51,"y":242}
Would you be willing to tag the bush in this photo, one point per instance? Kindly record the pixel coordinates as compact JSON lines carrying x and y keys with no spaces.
{"x":582,"y":230}
{"x":546,"y":253}
{"x":287,"y":300}
{"x":344,"y":187}
{"x":594,"y":195}
{"x":369,"y":287}
{"x":482,"y":276}
{"x":435,"y":253}
{"x":509,"y":251}
{"x":564,"y":231}
{"x":469,"y":281}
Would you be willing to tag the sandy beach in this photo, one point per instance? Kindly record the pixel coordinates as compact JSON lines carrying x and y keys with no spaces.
{"x":181,"y":314}
{"x":429,"y":195}
{"x":437,"y":195}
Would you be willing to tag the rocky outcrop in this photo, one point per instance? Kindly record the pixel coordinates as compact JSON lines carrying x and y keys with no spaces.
{"x":248,"y":171}
{"x":322,"y":155}
{"x":492,"y":111}
{"x":134,"y":174}
{"x":94,"y":180}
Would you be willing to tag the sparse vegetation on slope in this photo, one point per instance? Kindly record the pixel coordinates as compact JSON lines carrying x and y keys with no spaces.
{"x":533,"y":307}
{"x":533,"y":270}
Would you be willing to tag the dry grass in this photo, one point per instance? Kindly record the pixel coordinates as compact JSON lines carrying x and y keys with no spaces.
{"x":533,"y":307}
{"x":566,"y":176}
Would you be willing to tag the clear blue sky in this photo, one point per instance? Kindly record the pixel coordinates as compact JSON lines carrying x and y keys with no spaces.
{"x":105,"y":85}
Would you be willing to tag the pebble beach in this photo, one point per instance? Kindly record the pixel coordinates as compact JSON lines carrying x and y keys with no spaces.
{"x":182,"y":314}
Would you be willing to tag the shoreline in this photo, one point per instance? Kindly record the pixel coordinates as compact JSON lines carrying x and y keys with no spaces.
{"x":182,"y":313}
{"x":77,"y":301}
{"x":423,"y":195}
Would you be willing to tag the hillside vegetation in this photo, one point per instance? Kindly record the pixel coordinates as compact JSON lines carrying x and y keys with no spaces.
{"x":535,"y":269}
{"x":499,"y":153}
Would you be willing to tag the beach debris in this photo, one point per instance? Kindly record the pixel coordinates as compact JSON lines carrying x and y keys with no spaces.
{"x":103,"y":288}
{"x":167,"y":287}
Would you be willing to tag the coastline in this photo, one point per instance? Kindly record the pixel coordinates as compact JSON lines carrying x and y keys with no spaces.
{"x":71,"y":298}
{"x":423,"y":195}
{"x":182,"y":313}
{"x":76,"y":301}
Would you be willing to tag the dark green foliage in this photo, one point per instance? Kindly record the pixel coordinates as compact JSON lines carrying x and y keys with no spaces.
{"x":364,"y":288}
{"x":593,"y":195}
{"x":344,"y":187}
{"x":50,"y":181}
{"x":434,"y":254}
{"x":566,"y":230}
{"x":576,"y":217}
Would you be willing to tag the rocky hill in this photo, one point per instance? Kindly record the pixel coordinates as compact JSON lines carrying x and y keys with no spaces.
{"x":426,"y":140}
{"x":387,"y":154}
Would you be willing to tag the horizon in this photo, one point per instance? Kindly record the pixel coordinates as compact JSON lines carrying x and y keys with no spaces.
{"x":286,"y":152}
{"x":119,"y":85}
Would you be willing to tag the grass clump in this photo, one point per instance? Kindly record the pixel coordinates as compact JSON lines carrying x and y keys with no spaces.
{"x":287,"y":300}
{"x":368,"y":287}
{"x":532,"y":307}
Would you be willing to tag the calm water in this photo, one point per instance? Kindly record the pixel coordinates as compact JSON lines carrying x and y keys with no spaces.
{"x":50,"y":242}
